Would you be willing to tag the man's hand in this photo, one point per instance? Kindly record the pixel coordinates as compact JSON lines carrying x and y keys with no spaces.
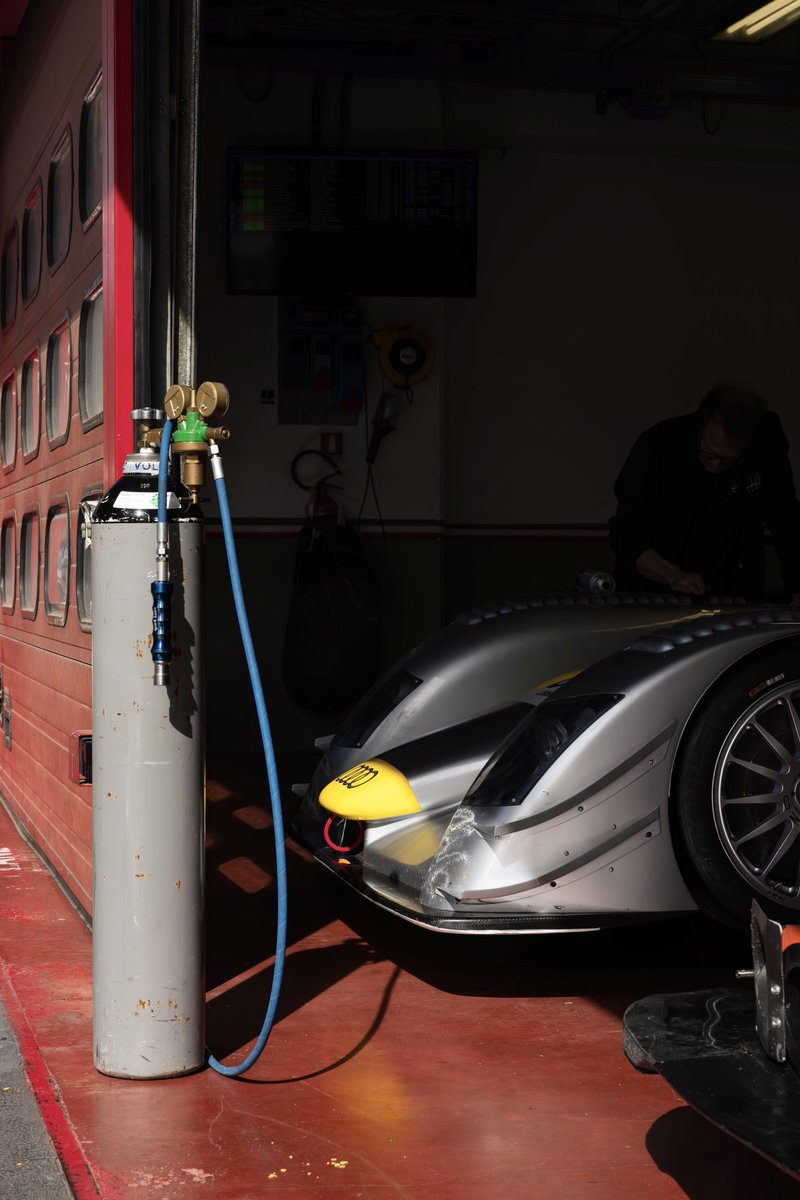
{"x":688,"y":583}
{"x":654,"y":566}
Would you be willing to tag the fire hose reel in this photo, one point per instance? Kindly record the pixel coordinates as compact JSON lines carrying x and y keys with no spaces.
{"x":405,"y":357}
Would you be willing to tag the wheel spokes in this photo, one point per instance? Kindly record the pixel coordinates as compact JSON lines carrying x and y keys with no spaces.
{"x":794,"y":722}
{"x":760,"y":833}
{"x":777,"y":748}
{"x":756,"y":768}
{"x":763,"y":798}
{"x":781,"y":850}
{"x":773,"y":822}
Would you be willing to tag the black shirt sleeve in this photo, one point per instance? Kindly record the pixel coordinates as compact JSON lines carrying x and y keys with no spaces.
{"x":781,"y":509}
{"x":633,"y":528}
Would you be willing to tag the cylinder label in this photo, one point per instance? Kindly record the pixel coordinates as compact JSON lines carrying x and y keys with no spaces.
{"x":140,"y":500}
{"x":141,"y":466}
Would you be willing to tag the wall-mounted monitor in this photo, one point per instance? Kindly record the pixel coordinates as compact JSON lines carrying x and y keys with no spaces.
{"x":352,"y":222}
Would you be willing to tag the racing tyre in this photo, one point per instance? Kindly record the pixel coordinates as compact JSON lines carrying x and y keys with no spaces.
{"x":736,"y":799}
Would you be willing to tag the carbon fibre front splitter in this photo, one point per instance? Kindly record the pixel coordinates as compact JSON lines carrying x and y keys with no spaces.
{"x":400,"y":902}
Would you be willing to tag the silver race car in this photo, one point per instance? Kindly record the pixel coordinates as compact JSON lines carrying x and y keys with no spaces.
{"x":567,"y":762}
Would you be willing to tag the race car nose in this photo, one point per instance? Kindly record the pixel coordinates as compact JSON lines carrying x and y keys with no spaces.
{"x":370,"y":791}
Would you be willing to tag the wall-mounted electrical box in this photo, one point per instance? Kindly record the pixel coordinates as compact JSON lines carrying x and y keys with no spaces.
{"x":320,"y":363}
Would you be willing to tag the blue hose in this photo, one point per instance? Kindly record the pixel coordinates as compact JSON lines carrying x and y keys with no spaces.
{"x":161,"y":587}
{"x":272,"y":776}
{"x":163,"y":470}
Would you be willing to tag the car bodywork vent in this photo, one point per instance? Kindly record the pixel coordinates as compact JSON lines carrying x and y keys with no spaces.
{"x":668,"y":640}
{"x":532,"y":600}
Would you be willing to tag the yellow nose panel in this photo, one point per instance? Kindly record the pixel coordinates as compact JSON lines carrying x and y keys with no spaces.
{"x":372,"y":791}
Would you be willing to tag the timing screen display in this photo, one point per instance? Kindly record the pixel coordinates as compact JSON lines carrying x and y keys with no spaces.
{"x":365,"y":223}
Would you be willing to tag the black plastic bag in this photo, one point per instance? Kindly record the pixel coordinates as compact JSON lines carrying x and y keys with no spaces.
{"x":332,"y":649}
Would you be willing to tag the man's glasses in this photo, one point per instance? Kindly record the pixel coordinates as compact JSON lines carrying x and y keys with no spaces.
{"x":708,"y":457}
{"x":705,"y":457}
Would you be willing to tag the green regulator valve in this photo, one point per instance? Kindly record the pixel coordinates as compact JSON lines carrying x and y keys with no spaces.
{"x":191,"y":438}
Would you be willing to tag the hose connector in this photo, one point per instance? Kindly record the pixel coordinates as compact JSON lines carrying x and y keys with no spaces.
{"x":216,"y":461}
{"x":161,"y":590}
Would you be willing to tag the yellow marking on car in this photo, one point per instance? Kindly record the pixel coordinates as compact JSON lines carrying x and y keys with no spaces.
{"x":678,"y":619}
{"x":371,"y":791}
{"x":416,"y":845}
{"x":556,"y":680}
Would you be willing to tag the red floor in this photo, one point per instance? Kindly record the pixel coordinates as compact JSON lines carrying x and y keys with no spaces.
{"x":403,"y":1063}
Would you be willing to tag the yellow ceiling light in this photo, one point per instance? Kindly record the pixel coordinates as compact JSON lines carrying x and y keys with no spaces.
{"x":762,"y":22}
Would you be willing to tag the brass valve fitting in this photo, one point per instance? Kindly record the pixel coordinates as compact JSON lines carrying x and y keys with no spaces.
{"x":190,"y":409}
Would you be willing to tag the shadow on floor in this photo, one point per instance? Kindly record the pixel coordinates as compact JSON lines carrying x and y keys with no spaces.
{"x":705,"y":1162}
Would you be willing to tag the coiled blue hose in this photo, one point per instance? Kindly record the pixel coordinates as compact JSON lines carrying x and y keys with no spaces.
{"x":272,"y":776}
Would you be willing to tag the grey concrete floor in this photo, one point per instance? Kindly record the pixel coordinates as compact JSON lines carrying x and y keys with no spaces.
{"x":29,"y":1167}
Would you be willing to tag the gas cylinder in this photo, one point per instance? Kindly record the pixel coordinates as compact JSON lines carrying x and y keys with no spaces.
{"x":148,"y":786}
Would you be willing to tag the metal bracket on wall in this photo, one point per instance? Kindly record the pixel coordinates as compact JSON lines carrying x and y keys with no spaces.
{"x":7,"y":719}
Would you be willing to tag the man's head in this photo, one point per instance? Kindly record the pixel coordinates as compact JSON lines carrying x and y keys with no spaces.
{"x":730,"y":417}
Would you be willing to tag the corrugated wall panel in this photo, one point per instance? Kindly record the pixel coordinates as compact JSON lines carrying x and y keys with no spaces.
{"x":45,"y":654}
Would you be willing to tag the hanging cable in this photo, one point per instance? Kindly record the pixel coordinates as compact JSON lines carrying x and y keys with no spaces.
{"x":344,"y":110}
{"x":272,"y":774}
{"x":381,"y":425}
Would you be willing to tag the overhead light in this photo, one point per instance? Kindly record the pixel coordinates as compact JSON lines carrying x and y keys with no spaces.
{"x":762,"y":22}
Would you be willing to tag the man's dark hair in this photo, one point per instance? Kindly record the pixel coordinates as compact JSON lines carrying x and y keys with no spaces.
{"x":740,"y":411}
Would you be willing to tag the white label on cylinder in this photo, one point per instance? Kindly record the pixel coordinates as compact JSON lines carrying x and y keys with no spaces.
{"x":140,"y":500}
{"x":141,"y":466}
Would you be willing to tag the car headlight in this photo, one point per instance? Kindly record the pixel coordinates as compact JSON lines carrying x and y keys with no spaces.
{"x":375,"y":708}
{"x":532,"y":748}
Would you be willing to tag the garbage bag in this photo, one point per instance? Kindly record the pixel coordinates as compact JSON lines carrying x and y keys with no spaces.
{"x":333,"y":635}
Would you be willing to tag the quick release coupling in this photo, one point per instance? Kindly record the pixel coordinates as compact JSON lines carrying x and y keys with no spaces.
{"x":161,"y":591}
{"x":162,"y":630}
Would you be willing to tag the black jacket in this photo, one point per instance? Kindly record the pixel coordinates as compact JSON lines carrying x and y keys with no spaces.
{"x":711,"y":524}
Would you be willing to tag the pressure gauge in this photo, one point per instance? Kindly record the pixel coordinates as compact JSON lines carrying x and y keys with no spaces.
{"x":212,"y":400}
{"x":177,"y":400}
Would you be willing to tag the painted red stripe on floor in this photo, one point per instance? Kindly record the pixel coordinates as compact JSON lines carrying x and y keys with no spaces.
{"x":69,"y":1150}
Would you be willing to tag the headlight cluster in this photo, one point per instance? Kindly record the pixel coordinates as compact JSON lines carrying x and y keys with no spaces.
{"x":533,"y":747}
{"x":375,"y":708}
